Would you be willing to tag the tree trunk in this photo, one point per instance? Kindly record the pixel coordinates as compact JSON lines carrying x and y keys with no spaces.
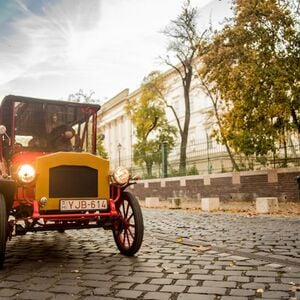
{"x":234,"y":164}
{"x":182,"y":163}
{"x":284,"y":149}
{"x":184,"y":135}
{"x":296,"y":121}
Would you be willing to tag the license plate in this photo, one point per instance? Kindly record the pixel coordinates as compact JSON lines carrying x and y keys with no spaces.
{"x":88,"y":204}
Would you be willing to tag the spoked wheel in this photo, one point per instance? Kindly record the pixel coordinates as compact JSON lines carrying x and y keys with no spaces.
{"x":3,"y":229}
{"x":129,"y":231}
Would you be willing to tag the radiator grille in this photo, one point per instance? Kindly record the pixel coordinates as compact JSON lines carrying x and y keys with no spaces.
{"x":73,"y":182}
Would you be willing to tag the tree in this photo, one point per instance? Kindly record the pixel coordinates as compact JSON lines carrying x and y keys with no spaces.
{"x":147,"y":114}
{"x":100,"y":147}
{"x":83,"y":97}
{"x":215,"y":115}
{"x":253,"y":63}
{"x":183,"y":45}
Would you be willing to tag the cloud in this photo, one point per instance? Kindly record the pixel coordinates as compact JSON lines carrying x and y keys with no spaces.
{"x":51,"y":48}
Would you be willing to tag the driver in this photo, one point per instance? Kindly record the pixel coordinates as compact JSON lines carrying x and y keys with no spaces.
{"x":60,"y":138}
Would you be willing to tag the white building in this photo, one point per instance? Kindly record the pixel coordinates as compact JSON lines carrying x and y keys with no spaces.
{"x":119,"y":132}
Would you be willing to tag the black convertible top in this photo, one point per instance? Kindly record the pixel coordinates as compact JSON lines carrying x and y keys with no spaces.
{"x":12,"y":98}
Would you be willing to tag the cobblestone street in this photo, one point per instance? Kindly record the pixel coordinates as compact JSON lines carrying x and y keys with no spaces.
{"x":185,"y":255}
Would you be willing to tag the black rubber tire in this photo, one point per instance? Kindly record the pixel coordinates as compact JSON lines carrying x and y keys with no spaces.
{"x":130,"y":232}
{"x":3,"y":229}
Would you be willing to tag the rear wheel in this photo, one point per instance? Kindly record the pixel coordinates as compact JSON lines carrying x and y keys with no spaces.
{"x":3,"y":229}
{"x":129,"y":230}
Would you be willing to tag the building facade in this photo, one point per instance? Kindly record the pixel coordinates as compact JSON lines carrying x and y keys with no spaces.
{"x":120,"y":134}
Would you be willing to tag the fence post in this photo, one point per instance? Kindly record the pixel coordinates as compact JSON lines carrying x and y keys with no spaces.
{"x":208,"y":158}
{"x":164,"y":149}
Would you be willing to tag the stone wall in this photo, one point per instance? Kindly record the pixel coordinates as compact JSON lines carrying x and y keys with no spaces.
{"x":280,"y":183}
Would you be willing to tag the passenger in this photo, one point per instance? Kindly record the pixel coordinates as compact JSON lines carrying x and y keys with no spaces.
{"x":37,"y":143}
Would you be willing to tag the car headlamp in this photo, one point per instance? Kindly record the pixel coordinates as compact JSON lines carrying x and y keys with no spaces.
{"x":121,"y":175}
{"x":26,"y":173}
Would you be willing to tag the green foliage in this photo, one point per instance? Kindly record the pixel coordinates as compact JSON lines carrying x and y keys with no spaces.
{"x":253,"y":64}
{"x":147,"y":113}
{"x":192,"y":170}
{"x":100,"y":147}
{"x":177,"y":173}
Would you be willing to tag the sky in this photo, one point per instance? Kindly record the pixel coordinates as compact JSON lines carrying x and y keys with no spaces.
{"x":52,"y":48}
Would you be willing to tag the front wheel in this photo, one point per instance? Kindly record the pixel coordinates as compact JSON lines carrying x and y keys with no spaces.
{"x":129,"y":229}
{"x":3,"y":229}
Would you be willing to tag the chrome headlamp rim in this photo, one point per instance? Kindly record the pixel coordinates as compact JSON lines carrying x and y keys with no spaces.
{"x":26,"y":173}
{"x":121,"y":175}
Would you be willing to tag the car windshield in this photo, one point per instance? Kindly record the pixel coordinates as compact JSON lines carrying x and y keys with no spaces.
{"x":52,"y":127}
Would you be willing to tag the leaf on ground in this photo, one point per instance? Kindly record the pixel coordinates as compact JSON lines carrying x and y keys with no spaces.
{"x":232,"y":263}
{"x":75,"y":271}
{"x":202,"y":248}
{"x":166,"y":268}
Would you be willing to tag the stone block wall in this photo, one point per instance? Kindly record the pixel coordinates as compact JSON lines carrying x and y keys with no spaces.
{"x":280,"y":183}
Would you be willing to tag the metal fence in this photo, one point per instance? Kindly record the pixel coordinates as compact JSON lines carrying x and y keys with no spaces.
{"x":210,"y":157}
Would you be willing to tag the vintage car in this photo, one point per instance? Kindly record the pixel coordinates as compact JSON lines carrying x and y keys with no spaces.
{"x":52,"y":179}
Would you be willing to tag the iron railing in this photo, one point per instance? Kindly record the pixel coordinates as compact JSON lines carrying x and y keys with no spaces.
{"x":211,"y":157}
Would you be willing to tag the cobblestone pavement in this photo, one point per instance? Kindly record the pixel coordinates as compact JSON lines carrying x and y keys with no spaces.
{"x":185,"y":255}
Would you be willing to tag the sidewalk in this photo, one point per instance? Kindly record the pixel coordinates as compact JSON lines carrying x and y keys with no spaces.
{"x":285,"y":208}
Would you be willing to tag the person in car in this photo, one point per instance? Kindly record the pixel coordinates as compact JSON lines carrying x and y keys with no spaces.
{"x":37,"y":143}
{"x":60,"y":138}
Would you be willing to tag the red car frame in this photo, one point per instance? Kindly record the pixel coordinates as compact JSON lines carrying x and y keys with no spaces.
{"x":52,"y":179}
